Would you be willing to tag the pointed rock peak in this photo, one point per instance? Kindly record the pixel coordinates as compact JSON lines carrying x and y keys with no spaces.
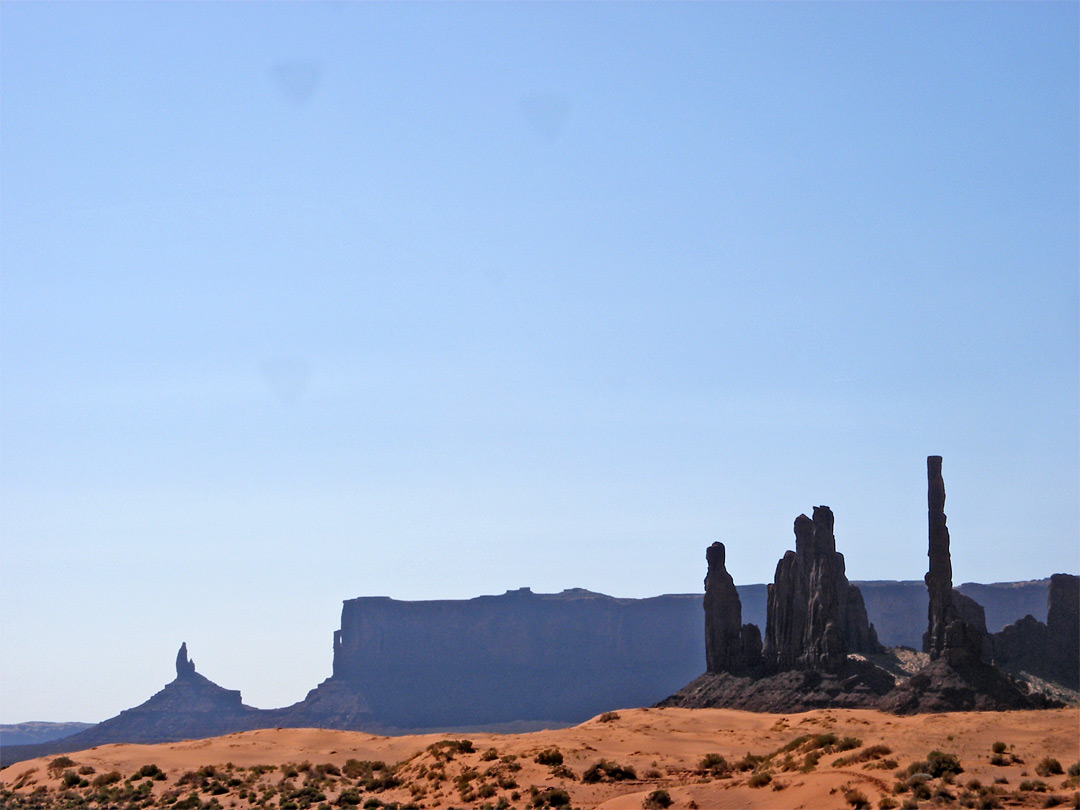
{"x":184,"y":667}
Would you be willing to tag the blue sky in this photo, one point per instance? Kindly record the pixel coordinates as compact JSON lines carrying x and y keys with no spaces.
{"x":308,"y":302}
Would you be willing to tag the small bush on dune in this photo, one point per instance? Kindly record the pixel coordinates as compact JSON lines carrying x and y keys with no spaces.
{"x":998,"y":748}
{"x":608,"y":771}
{"x":760,"y":779}
{"x":714,"y":764}
{"x":1048,"y":767}
{"x":550,"y":757}
{"x":657,"y":800}
{"x":607,"y":717}
{"x":856,"y":798}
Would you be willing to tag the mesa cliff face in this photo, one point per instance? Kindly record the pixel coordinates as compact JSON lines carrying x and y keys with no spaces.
{"x":520,"y":656}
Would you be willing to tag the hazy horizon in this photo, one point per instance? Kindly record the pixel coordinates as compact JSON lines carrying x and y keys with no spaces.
{"x":307,"y":302}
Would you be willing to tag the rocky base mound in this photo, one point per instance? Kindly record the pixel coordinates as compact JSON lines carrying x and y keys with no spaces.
{"x":858,"y":685}
{"x":941,"y":687}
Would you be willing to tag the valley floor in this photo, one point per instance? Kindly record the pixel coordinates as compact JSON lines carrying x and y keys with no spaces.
{"x":634,"y":758}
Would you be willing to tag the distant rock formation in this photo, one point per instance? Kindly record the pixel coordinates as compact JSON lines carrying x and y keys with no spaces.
{"x":1050,"y":651}
{"x":948,"y":634}
{"x":730,"y":645}
{"x":957,"y":679}
{"x":519,"y":656}
{"x":815,"y":616}
{"x":821,"y":651}
{"x":184,"y":667}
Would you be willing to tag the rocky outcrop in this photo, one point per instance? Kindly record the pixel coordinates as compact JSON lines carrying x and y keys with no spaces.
{"x":815,"y":616}
{"x":184,"y":667}
{"x":948,"y":635}
{"x":956,"y":679}
{"x":1050,"y":651}
{"x":189,"y":707}
{"x":730,"y":646}
{"x":1063,"y":622}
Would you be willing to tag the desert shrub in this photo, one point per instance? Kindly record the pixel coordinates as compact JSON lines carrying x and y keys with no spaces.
{"x":362,"y":768}
{"x":822,"y":741}
{"x":1053,"y":800}
{"x":486,"y":791}
{"x":1074,"y":769}
{"x":910,"y":804}
{"x":810,"y":761}
{"x":749,"y":762}
{"x":562,"y":772}
{"x":149,"y":772}
{"x":1048,"y":767}
{"x":348,"y":798}
{"x":60,"y":763}
{"x":657,"y":800}
{"x":848,"y":743}
{"x":328,"y":769}
{"x":607,"y":717}
{"x":489,"y":755}
{"x":936,"y":764}
{"x":999,"y":759}
{"x":608,"y":771}
{"x":886,"y":803}
{"x":791,"y":746}
{"x":760,"y":779}
{"x":86,"y":770}
{"x":507,"y":782}
{"x":377,"y":784}
{"x":867,"y":754}
{"x":71,"y":779}
{"x":549,"y":757}
{"x":1036,"y":785}
{"x":714,"y":764}
{"x":998,"y":747}
{"x":106,"y":779}
{"x":552,"y":797}
{"x":446,"y":749}
{"x":856,"y":798}
{"x":652,"y":773}
{"x":372,"y":804}
{"x":989,"y":802}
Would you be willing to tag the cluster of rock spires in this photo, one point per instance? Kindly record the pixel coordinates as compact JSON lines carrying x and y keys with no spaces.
{"x":820,"y":648}
{"x":815,"y":616}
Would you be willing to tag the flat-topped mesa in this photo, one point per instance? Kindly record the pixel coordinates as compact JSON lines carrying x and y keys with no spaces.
{"x":815,"y":617}
{"x":730,"y":646}
{"x":948,"y":635}
{"x":184,"y":667}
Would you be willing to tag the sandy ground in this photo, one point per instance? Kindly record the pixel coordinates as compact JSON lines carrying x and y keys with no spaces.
{"x":664,"y":747}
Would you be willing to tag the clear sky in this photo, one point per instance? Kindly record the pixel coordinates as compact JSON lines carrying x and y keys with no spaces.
{"x":308,"y":302}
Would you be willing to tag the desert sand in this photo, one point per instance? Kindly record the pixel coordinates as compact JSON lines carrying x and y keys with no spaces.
{"x":663,"y":747}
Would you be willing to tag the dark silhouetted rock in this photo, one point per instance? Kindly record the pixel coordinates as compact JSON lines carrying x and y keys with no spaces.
{"x":857,"y":685}
{"x":1049,"y":651}
{"x":730,"y":646}
{"x":1063,"y":622}
{"x":947,"y":636}
{"x":520,"y":656}
{"x":815,"y":616}
{"x":968,"y":686}
{"x":184,"y":667}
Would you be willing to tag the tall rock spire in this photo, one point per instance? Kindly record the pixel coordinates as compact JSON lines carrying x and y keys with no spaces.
{"x":947,"y":635}
{"x":730,"y":646}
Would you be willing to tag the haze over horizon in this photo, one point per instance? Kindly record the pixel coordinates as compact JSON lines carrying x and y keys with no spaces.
{"x":306,"y":302}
